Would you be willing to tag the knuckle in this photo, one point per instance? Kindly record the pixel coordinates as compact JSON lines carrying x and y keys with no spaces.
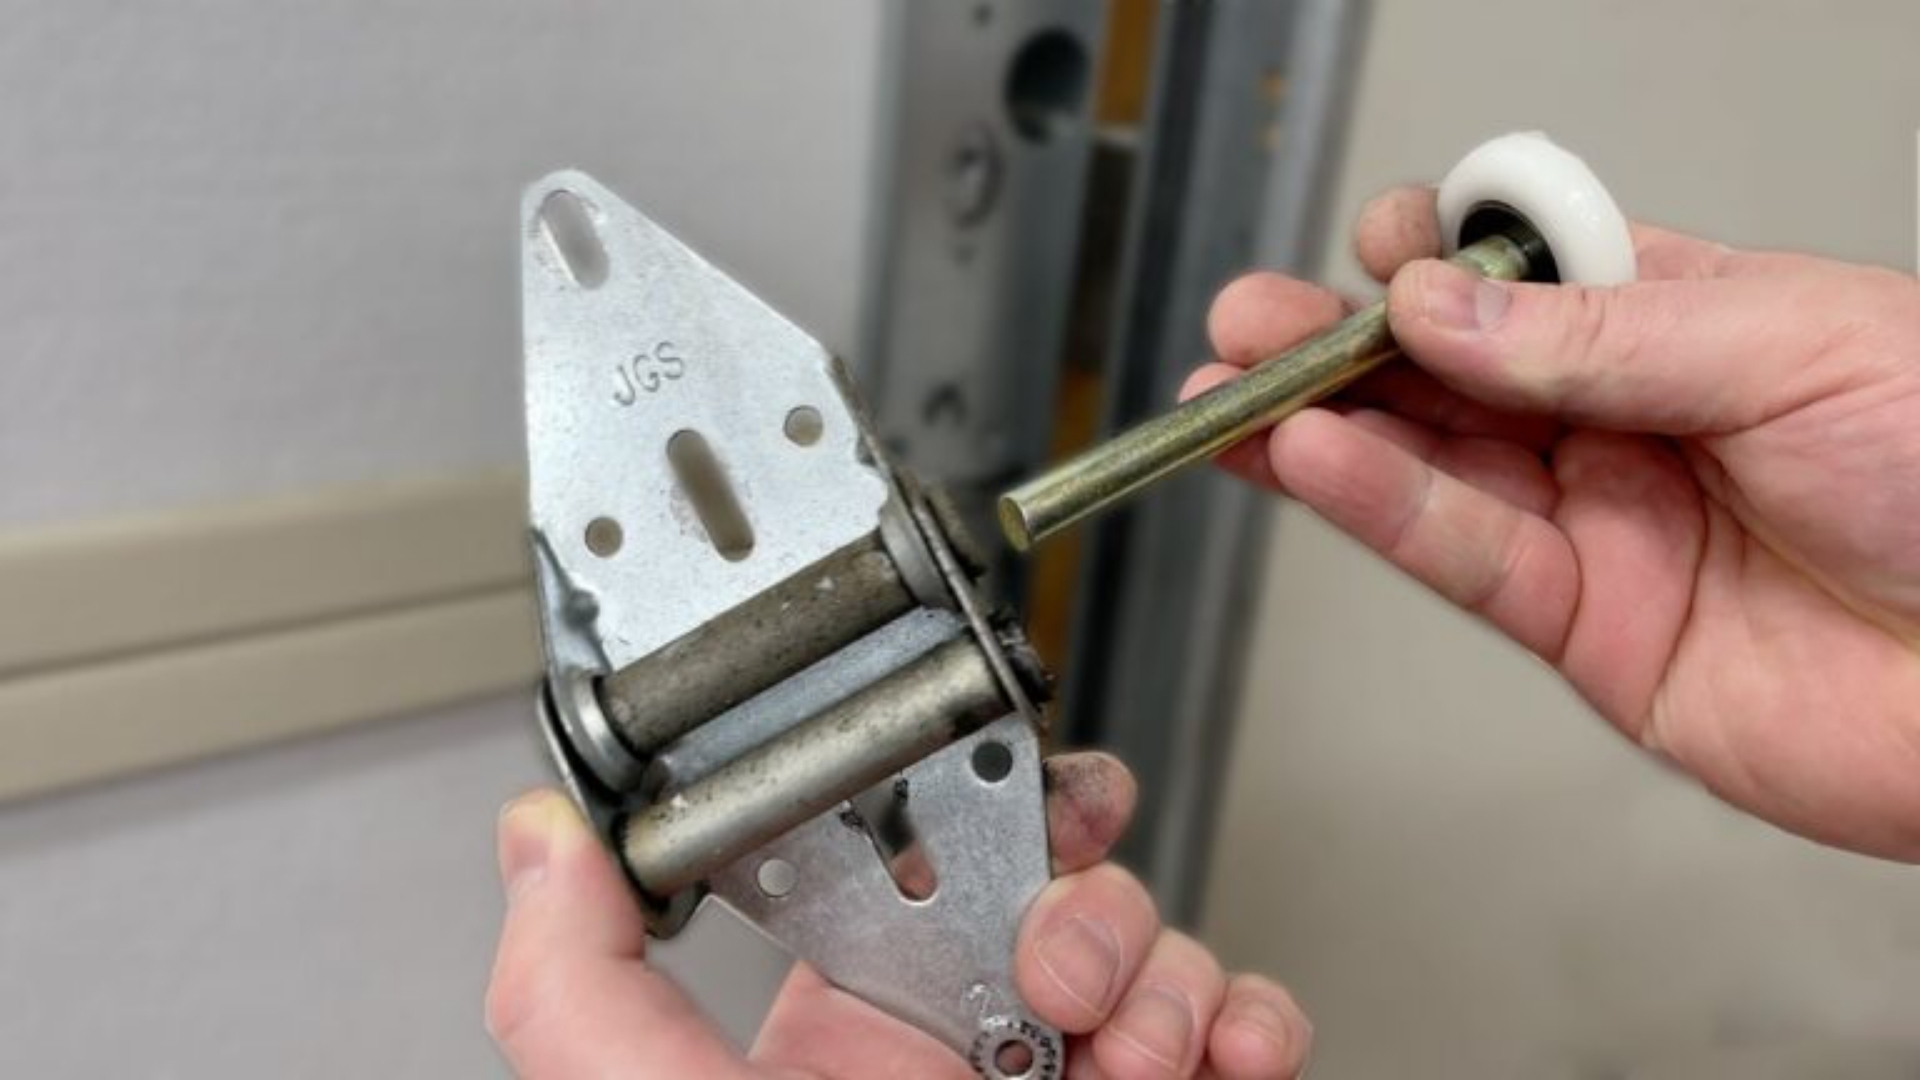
{"x":1491,"y":570}
{"x":517,"y":1006}
{"x":1271,"y":996}
{"x":1585,"y":323}
{"x":1129,"y":1064}
{"x":1126,"y":891}
{"x":1186,"y":952}
{"x":510,"y":1006}
{"x":1589,"y":334}
{"x":1403,"y":531}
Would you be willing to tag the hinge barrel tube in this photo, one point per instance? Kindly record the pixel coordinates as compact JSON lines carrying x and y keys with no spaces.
{"x":826,"y":759}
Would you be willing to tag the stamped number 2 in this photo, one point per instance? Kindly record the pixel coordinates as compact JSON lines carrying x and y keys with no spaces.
{"x":647,"y":372}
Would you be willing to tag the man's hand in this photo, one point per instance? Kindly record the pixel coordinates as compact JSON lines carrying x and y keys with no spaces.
{"x":1698,"y":496}
{"x":572,"y":994}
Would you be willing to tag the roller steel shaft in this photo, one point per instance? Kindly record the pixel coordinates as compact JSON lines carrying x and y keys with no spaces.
{"x":1273,"y":390}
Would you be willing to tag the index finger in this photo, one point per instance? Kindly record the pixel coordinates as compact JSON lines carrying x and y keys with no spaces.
{"x":1399,"y":225}
{"x":1090,"y":799}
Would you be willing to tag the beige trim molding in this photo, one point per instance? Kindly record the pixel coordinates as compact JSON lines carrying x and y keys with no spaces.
{"x":78,"y":593}
{"x":146,"y":641}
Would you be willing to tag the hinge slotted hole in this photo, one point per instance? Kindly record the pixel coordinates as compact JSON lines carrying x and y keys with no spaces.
{"x":881,"y":812}
{"x":569,"y":228}
{"x":705,"y":484}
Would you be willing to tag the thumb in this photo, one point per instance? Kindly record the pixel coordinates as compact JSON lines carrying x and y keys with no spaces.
{"x":1674,"y":357}
{"x":572,"y":994}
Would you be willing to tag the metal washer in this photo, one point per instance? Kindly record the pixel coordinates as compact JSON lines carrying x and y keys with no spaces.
{"x":996,"y":1031}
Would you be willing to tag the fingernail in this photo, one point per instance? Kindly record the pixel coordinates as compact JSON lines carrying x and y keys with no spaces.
{"x":1158,"y":1021}
{"x":526,"y":843}
{"x":1454,"y":299}
{"x":1082,"y":956}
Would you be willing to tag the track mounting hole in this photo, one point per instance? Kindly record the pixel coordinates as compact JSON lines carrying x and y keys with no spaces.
{"x":776,"y":877}
{"x":604,"y":537}
{"x":992,"y":761}
{"x":1013,"y":1059}
{"x":803,"y":425}
{"x":1046,"y":85}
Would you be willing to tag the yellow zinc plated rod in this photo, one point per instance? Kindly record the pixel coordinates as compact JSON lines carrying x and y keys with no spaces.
{"x":1271,"y":391}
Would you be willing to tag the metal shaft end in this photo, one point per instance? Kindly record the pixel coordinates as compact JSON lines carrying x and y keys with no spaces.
{"x":1013,"y":523}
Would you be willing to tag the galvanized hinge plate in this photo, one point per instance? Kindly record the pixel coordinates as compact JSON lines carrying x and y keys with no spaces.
{"x":634,"y":344}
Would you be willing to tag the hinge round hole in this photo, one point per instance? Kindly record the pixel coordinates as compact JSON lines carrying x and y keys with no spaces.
{"x":992,"y":761}
{"x":604,"y":537}
{"x":776,"y":877}
{"x":803,"y":426}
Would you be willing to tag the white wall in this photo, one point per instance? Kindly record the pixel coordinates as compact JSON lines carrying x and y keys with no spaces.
{"x":258,"y":246}
{"x":1462,"y":871}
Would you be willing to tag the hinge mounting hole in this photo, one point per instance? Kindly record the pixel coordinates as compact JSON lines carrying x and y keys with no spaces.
{"x":882,"y":813}
{"x":803,"y":425}
{"x":705,"y":484}
{"x":568,"y":227}
{"x":992,"y":761}
{"x":604,"y":537}
{"x":776,"y":877}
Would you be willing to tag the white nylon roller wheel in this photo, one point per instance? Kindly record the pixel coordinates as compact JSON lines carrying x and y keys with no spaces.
{"x":1527,"y":175}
